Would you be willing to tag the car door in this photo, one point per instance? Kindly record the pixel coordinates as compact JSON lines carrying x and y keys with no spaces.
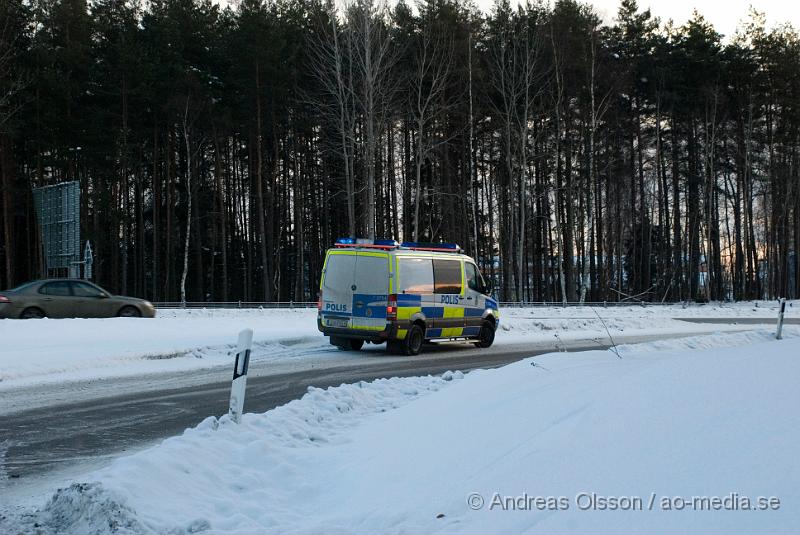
{"x":56,"y":299}
{"x":91,"y":301}
{"x":474,"y":306}
{"x":448,"y":282}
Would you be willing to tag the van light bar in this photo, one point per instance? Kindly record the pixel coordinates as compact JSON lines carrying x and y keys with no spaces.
{"x":363,"y":242}
{"x":423,"y":246}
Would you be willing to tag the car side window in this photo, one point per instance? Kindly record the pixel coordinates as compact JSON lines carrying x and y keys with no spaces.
{"x":81,"y":289}
{"x":416,"y":275}
{"x":447,"y":276}
{"x":57,"y":288}
{"x":473,"y":282}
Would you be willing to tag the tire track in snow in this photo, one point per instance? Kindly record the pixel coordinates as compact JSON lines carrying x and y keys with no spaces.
{"x":4,"y":447}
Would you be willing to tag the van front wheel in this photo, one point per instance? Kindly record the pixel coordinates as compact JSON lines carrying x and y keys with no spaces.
{"x":412,"y":343}
{"x":486,"y":336}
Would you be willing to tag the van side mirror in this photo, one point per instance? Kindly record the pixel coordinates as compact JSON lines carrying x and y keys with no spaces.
{"x":487,"y":287}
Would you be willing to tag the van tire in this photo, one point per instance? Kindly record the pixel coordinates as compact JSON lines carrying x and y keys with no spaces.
{"x":412,"y":343}
{"x":486,"y":335}
{"x":349,"y":344}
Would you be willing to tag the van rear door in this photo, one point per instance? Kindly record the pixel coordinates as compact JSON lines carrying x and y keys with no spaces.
{"x":338,"y":283}
{"x":371,"y":291}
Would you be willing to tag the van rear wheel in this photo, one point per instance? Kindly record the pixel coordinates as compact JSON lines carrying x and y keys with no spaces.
{"x":351,"y":344}
{"x":412,"y":343}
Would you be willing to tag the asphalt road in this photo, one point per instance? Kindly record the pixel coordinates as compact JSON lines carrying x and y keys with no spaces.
{"x":47,"y":439}
{"x":87,"y":431}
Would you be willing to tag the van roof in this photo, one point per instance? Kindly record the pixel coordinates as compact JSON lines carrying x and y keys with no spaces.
{"x":403,"y":251}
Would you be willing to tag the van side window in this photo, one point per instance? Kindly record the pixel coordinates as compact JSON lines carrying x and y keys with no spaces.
{"x":416,"y":275}
{"x":447,"y":276}
{"x":473,"y":282}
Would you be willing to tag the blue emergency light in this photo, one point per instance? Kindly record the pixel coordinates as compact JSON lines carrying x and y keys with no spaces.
{"x":364,"y":242}
{"x":431,"y":246}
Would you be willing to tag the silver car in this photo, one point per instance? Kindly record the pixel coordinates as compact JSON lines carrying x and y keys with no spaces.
{"x":68,"y":298}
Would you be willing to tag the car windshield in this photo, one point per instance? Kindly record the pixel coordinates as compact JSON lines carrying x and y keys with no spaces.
{"x":22,"y":287}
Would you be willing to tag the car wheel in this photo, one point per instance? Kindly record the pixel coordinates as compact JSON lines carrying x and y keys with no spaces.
{"x":486,"y":336}
{"x":129,"y":312}
{"x":32,"y":313}
{"x":413,"y":341}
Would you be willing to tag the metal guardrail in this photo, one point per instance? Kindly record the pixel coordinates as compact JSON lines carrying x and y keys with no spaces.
{"x":236,"y":304}
{"x":505,"y":304}
{"x":600,"y":304}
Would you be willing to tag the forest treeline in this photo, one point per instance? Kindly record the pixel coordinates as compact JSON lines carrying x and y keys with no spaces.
{"x":220,"y":151}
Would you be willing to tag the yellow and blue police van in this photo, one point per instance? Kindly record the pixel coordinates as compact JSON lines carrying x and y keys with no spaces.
{"x":403,"y":294}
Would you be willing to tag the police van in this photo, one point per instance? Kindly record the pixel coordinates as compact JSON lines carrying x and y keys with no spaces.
{"x":403,"y":294}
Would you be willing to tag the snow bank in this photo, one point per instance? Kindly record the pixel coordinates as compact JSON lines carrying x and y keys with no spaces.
{"x":74,"y":349}
{"x":710,"y":341}
{"x":220,"y":468}
{"x":547,"y":436}
{"x":46,"y":351}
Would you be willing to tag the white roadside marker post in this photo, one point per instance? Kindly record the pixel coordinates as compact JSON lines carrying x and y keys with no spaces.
{"x":782,"y":309}
{"x":240,"y":375}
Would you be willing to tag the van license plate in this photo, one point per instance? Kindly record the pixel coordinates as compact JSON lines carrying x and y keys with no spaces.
{"x":336,"y":322}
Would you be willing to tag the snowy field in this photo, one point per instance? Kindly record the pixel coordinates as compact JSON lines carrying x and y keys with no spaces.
{"x":659,"y":438}
{"x":48,"y":351}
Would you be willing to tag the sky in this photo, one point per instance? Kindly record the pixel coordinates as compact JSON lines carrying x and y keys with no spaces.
{"x":723,"y":14}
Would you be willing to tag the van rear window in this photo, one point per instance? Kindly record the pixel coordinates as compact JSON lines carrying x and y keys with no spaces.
{"x":447,"y":276}
{"x":339,"y":272}
{"x":416,"y":275}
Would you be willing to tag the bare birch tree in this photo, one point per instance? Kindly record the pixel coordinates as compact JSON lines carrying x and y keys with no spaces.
{"x":596,"y":113}
{"x":332,"y":68}
{"x":559,"y":96}
{"x":374,"y":58}
{"x":187,"y":141}
{"x":516,"y":76}
{"x":428,"y":101}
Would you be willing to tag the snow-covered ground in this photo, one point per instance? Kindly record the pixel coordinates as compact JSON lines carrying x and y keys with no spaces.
{"x":643,"y":440}
{"x":47,"y":351}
